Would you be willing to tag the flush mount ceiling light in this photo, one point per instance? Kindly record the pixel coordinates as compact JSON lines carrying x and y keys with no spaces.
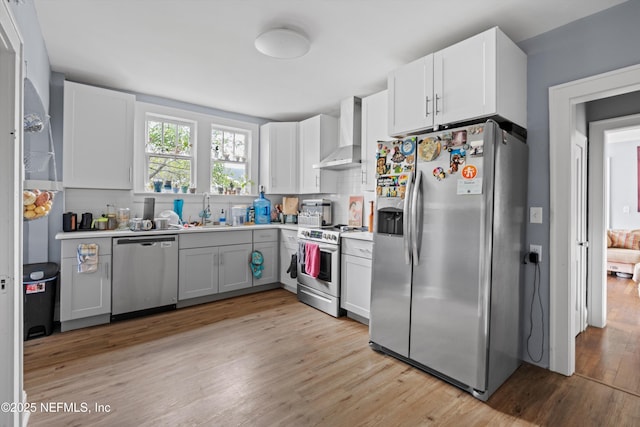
{"x":282,"y":43}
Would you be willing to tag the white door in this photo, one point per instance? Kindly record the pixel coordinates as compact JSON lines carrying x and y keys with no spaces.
{"x":578,"y":274}
{"x":10,"y":218}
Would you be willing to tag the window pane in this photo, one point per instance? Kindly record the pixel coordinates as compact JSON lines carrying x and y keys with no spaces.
{"x":226,"y":174}
{"x":216,"y":143}
{"x":228,"y":146}
{"x":184,"y":140}
{"x":154,"y":137}
{"x":176,"y":170}
{"x":240,"y":147}
{"x":170,"y":138}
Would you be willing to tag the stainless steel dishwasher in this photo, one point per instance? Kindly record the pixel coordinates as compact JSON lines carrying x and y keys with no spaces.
{"x":145,"y":275}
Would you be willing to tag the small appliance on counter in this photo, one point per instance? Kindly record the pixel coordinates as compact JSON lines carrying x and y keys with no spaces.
{"x":69,"y":221}
{"x":315,"y":213}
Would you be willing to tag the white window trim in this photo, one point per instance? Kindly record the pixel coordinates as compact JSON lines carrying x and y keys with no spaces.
{"x":202,"y":144}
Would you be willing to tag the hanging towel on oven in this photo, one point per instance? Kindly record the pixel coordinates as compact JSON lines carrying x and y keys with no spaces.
{"x":87,"y":258}
{"x":312,"y":259}
{"x":301,"y":253}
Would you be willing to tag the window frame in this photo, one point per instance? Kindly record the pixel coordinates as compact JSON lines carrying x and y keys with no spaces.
{"x":178,"y":121}
{"x":202,"y":163}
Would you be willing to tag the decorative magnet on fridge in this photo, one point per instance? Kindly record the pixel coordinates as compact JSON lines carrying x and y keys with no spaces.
{"x":439,"y":173}
{"x":429,"y":149}
{"x":456,"y":159}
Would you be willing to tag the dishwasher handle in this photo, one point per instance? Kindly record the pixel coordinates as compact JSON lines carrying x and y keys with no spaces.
{"x":148,"y":241}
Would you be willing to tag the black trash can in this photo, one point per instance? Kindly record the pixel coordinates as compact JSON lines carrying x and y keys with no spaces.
{"x":39,"y":282}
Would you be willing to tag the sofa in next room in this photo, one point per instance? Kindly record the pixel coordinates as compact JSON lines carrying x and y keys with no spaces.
{"x":623,"y":253}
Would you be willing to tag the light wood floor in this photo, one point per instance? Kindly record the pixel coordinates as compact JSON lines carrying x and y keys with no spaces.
{"x":612,"y":354}
{"x":268,"y":360}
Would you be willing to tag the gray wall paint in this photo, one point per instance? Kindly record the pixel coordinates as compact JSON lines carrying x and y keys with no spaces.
{"x":623,"y":185}
{"x":614,"y":106}
{"x":596,"y":44}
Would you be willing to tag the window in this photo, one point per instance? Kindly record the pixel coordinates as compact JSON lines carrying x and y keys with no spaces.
{"x":168,"y":151}
{"x":229,"y":161}
{"x":180,"y":145}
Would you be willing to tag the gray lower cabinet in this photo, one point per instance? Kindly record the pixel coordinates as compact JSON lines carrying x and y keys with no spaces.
{"x":234,"y":267}
{"x":198,"y":272}
{"x":213,"y":262}
{"x":288,"y":246}
{"x":356,"y":265}
{"x":266,"y":242}
{"x":85,"y":298}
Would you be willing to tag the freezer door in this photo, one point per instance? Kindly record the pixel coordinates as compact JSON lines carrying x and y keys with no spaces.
{"x":449,"y":296}
{"x":390,"y":294}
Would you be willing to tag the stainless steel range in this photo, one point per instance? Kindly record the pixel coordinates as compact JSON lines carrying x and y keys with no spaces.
{"x":322,"y":291}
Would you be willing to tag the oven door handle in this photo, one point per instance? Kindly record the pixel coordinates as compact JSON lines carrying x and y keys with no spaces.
{"x":326,"y":248}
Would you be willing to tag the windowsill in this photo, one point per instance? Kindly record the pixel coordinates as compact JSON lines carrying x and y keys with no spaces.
{"x":187,"y":195}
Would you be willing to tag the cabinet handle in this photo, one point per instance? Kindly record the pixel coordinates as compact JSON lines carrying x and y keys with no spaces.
{"x":364,"y":175}
{"x":106,"y":270}
{"x":317,"y":185}
{"x":130,"y":174}
{"x":437,"y":99}
{"x":221,"y":259}
{"x":426,"y":107}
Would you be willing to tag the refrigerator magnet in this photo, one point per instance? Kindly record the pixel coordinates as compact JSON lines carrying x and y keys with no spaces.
{"x":429,"y":149}
{"x":476,"y":148}
{"x":469,"y":186}
{"x":408,"y":146}
{"x":397,"y":156}
{"x":456,"y":159}
{"x":439,"y":173}
{"x":458,"y":138}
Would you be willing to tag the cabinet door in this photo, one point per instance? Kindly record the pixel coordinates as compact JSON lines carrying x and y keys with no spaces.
{"x":465,"y":79}
{"x":98,"y":137}
{"x":85,"y":294}
{"x":285,"y":260}
{"x":411,"y":97}
{"x":234,"y":267}
{"x":374,"y":128}
{"x":269,"y":252}
{"x":279,"y":157}
{"x":198,"y":272}
{"x":318,"y":137}
{"x":356,"y":285}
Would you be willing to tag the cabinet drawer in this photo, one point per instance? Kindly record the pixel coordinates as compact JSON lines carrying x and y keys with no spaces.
{"x":214,"y":238}
{"x":70,"y":247}
{"x":270,"y":235}
{"x":289,"y":237}
{"x":359,"y":248}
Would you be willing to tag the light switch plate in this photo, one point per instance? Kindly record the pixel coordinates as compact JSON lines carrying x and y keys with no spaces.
{"x":535,"y":215}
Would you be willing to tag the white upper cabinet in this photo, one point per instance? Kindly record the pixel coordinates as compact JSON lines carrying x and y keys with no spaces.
{"x":374,"y":129}
{"x":279,"y":157}
{"x":482,"y":76}
{"x":318,"y":137}
{"x":97,"y":137}
{"x":411,"y":97}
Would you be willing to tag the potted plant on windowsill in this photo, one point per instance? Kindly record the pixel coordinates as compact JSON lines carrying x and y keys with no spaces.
{"x":245,"y":184}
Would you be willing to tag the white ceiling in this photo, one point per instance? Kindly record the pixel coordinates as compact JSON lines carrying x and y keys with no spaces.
{"x":202,"y":51}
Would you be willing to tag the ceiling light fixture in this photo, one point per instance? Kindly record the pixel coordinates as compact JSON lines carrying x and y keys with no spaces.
{"x":282,"y":43}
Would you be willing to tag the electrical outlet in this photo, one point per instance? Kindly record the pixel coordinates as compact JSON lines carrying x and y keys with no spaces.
{"x":537,"y":249}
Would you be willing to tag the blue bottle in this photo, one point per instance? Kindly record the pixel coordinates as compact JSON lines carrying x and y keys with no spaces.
{"x":262,"y":207}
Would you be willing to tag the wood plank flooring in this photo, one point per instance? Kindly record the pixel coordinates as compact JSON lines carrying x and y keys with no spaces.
{"x":612,"y":354}
{"x":268,"y":360}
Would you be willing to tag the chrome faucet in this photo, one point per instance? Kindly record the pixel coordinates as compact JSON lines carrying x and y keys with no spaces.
{"x":205,"y":213}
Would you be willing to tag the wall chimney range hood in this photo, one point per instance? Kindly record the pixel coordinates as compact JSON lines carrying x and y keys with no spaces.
{"x":347,"y":155}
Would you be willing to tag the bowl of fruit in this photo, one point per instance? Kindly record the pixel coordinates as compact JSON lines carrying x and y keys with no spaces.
{"x":36,"y":204}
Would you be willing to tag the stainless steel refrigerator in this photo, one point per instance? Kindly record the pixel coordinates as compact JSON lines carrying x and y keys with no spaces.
{"x":448,"y":248}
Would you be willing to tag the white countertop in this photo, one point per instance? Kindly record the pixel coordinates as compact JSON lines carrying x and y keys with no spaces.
{"x":358,"y":235}
{"x":126,"y":233}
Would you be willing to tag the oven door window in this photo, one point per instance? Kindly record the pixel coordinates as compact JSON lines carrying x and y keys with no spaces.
{"x":325,"y":266}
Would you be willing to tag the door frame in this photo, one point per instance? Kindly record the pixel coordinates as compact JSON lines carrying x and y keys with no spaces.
{"x":563,"y":102}
{"x":599,"y":213}
{"x":11,"y":173}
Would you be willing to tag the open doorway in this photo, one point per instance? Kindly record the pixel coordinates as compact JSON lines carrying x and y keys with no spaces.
{"x":607,"y":353}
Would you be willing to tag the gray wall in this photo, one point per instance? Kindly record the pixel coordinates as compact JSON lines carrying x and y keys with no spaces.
{"x":596,"y":44}
{"x":623,"y":192}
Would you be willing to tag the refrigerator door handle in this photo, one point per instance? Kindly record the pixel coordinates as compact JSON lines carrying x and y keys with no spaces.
{"x":406,"y":226}
{"x":416,"y":223}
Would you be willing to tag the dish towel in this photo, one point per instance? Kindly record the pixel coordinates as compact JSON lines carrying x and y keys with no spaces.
{"x":301,"y":250}
{"x":87,"y":258}
{"x":312,"y":259}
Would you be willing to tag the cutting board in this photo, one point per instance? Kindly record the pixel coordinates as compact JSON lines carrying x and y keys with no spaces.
{"x":290,"y":205}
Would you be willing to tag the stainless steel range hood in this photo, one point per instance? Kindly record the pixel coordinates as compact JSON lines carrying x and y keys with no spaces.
{"x":347,"y":155}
